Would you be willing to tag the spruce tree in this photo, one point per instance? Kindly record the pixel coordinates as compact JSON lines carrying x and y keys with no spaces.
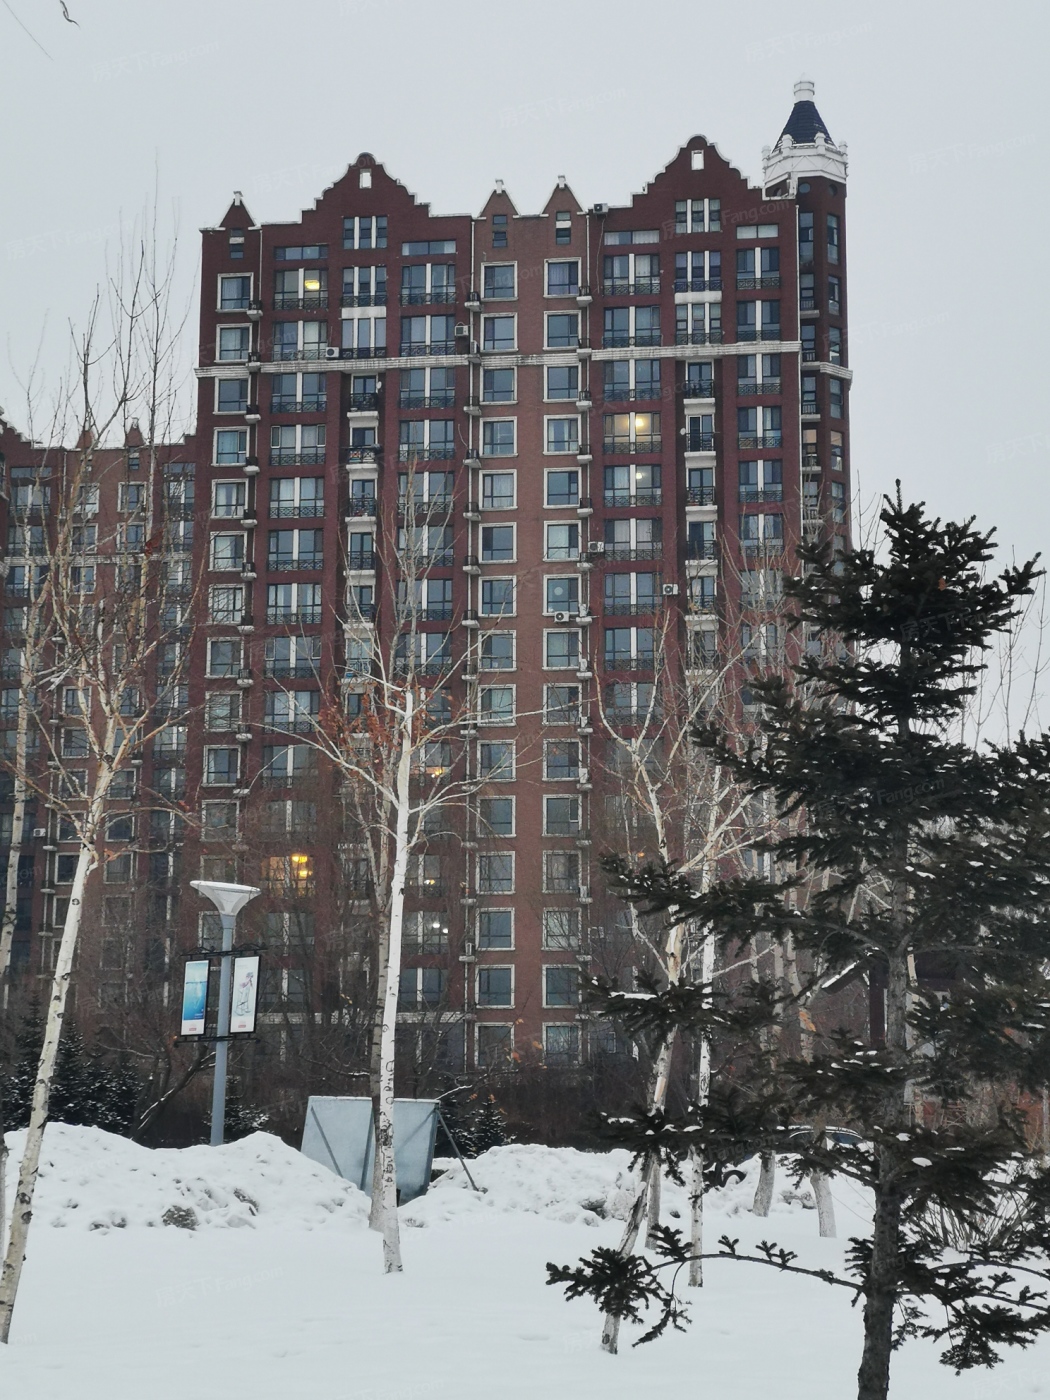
{"x":922,"y":857}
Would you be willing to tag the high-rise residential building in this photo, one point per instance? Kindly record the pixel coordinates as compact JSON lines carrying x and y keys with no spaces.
{"x":592,"y":429}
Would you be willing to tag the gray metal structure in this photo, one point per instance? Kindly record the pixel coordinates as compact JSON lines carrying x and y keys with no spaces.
{"x":338,"y":1134}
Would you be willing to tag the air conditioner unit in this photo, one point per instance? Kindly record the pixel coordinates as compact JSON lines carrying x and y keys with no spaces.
{"x":462,"y":329}
{"x":596,"y":547}
{"x":331,"y":352}
{"x":562,"y":616}
{"x":670,"y":590}
{"x":600,"y":209}
{"x":468,"y":947}
{"x":39,"y":831}
{"x":475,"y":347}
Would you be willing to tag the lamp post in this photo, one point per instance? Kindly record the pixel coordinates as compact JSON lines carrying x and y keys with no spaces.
{"x":229,"y":900}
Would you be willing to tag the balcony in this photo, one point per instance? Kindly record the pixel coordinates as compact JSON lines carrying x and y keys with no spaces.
{"x":703,"y":660}
{"x":643,"y":442}
{"x":367,"y":456}
{"x":412,"y":348}
{"x":807,"y":303}
{"x":756,"y":386}
{"x":810,"y":408}
{"x":632,"y":395}
{"x":756,"y":284}
{"x":432,"y":612}
{"x":630,"y":552}
{"x":288,"y":301}
{"x":410,"y":452}
{"x":362,"y":560}
{"x":295,"y":670}
{"x":298,"y":617}
{"x":287,"y":563}
{"x":700,"y":442}
{"x":434,"y":666}
{"x":760,"y":440}
{"x":308,"y":457}
{"x":362,"y":352}
{"x":757,"y":495}
{"x":698,"y":389}
{"x":623,"y":500}
{"x":363,"y":403}
{"x":361,"y":508}
{"x":305,"y":510}
{"x":294,"y":352}
{"x":701,"y":549}
{"x":435,"y":506}
{"x":363,"y":299}
{"x":755,"y":333}
{"x":700,"y":496}
{"x":289,"y":724}
{"x":698,"y":284}
{"x":445,"y":399}
{"x":643,"y":607}
{"x":617,"y":661}
{"x":621,"y":287}
{"x":697,"y":337}
{"x":613,"y":340}
{"x":444,"y":296}
{"x":704,"y":606}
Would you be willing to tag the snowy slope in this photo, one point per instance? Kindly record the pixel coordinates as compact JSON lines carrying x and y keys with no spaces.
{"x":292,"y":1302}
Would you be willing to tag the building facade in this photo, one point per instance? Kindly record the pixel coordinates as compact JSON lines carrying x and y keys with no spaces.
{"x":591,"y":428}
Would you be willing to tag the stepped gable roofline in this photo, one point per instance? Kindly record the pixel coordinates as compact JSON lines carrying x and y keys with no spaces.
{"x":381,"y":180}
{"x":682,"y":161}
{"x":805,"y":121}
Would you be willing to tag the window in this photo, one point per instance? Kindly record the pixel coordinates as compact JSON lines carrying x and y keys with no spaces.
{"x":364,"y":336}
{"x":497,"y":543}
{"x":561,"y":985}
{"x":498,"y":281}
{"x":227,"y":552}
{"x":367,"y":231}
{"x":625,"y":237}
{"x":497,"y":597}
{"x":563,"y":226}
{"x":295,"y":496}
{"x":496,"y":761}
{"x":563,"y":594}
{"x":563,"y":381}
{"x":835,"y":345}
{"x":496,"y":704}
{"x":222,"y":710}
{"x":562,"y":541}
{"x":561,"y":816}
{"x":563,"y":330}
{"x":428,"y":283}
{"x":295,"y":549}
{"x":233,"y":343}
{"x":221,"y":766}
{"x":495,"y":816}
{"x":496,"y":651}
{"x":563,"y":435}
{"x":499,"y":230}
{"x":563,"y":488}
{"x":495,"y":986}
{"x":836,"y":397}
{"x":224,"y":657}
{"x":364,"y":286}
{"x":805,"y":237}
{"x":561,"y":650}
{"x":561,"y":1045}
{"x":231,"y":447}
{"x":495,"y":929}
{"x":561,"y":759}
{"x":561,"y":704}
{"x":229,"y":498}
{"x":496,"y":872}
{"x":420,"y":987}
{"x":561,"y":929}
{"x":498,"y":333}
{"x":834,"y":230}
{"x":561,"y":872}
{"x":835,"y":295}
{"x":497,"y":490}
{"x":563,"y":278}
{"x":697,"y":216}
{"x":497,"y":386}
{"x":497,"y":437}
{"x":434,"y":248}
{"x":231,"y":395}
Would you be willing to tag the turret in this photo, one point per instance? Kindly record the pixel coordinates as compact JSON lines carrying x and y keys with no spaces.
{"x":804,"y":147}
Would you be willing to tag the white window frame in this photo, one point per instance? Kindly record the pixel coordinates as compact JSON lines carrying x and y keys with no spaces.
{"x":226,"y":379}
{"x":548,"y":611}
{"x":563,"y":631}
{"x":513,"y":868}
{"x":496,"y":909}
{"x":215,"y":446}
{"x":222,"y":277}
{"x":233,"y":568}
{"x":220,"y":802}
{"x":501,"y":349}
{"x":497,"y":300}
{"x":571,"y":1027}
{"x":547,"y":503}
{"x":512,"y":473}
{"x":549,"y":418}
{"x":226,"y":694}
{"x":501,"y":525}
{"x":498,"y":456}
{"x":210,"y":782}
{"x":485,"y":832}
{"x":230,"y":641}
{"x":220,"y":359}
{"x":546,"y":385}
{"x":498,"y":723}
{"x":555,"y":947}
{"x":565,"y":559}
{"x":506,"y":775}
{"x":216,"y":514}
{"x":560,"y":349}
{"x":560,"y":296}
{"x":498,"y":578}
{"x":495,"y":967}
{"x":507,"y":1026}
{"x":562,"y":797}
{"x":501,"y":670}
{"x":580,"y":765}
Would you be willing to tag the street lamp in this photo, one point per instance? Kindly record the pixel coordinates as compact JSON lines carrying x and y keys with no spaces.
{"x":229,"y":900}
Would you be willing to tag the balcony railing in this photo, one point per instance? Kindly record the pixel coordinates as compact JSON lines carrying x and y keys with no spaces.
{"x":760,"y":440}
{"x":620,"y":500}
{"x":634,"y":551}
{"x":363,"y":299}
{"x":412,"y":348}
{"x":361,"y":507}
{"x":286,"y":563}
{"x":363,"y":352}
{"x":292,"y":670}
{"x":290,"y":301}
{"x":643,"y":442}
{"x":295,"y":352}
{"x":701,"y":549}
{"x":445,"y":399}
{"x":755,"y":495}
{"x":316,"y":403}
{"x":632,"y":395}
{"x":810,"y":407}
{"x":364,"y":559}
{"x":432,"y":612}
{"x":807,"y":303}
{"x":641,"y":607}
{"x":767,"y":332}
{"x":436,"y":505}
{"x":413,"y":452}
{"x":308,"y":457}
{"x":698,"y":337}
{"x":304,"y":510}
{"x":291,"y":724}
{"x":301,"y":617}
{"x":700,"y":442}
{"x":756,"y":386}
{"x":703,"y":605}
{"x":444,"y":296}
{"x":363,"y":403}
{"x":360,"y":456}
{"x":700,"y":496}
{"x":754,"y":284}
{"x":612,"y":340}
{"x":618,"y":714}
{"x":433,"y":666}
{"x":698,"y":284}
{"x":622,"y":287}
{"x":698,"y":389}
{"x":617,"y":661}
{"x":766,"y":546}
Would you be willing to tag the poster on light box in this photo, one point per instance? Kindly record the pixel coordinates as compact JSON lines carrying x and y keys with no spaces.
{"x":195,"y":997}
{"x":245,"y":995}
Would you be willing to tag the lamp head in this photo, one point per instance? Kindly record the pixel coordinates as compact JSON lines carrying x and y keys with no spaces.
{"x":228,"y":899}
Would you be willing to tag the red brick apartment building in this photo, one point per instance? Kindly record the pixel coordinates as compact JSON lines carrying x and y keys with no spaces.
{"x":590,"y":423}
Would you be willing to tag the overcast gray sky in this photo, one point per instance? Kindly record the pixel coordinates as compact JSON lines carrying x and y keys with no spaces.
{"x":944,"y":107}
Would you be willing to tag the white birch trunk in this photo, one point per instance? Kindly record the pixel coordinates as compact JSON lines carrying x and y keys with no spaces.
{"x":611,"y":1326}
{"x":18,"y":822}
{"x":767,"y":1177}
{"x":384,"y":1178}
{"x":703,"y":1091}
{"x":22,"y":1211}
{"x":825,"y":1204}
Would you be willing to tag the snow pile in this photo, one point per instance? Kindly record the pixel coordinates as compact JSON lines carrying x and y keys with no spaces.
{"x":572,"y":1187}
{"x":93,"y":1180}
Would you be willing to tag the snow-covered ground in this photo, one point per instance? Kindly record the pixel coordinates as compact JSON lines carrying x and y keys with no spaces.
{"x":278,"y":1290}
